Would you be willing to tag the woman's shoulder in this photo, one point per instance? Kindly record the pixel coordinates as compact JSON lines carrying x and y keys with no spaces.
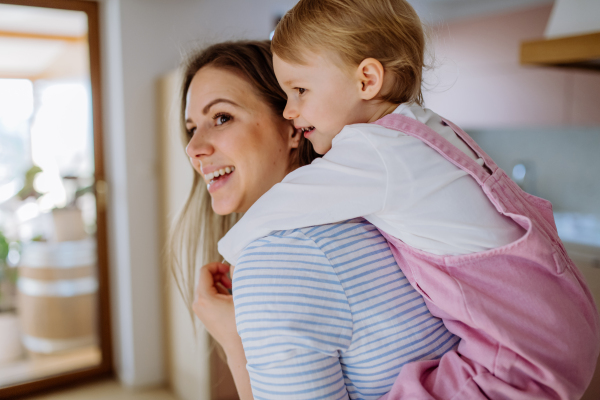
{"x":319,"y":238}
{"x":310,"y":254}
{"x":288,"y":280}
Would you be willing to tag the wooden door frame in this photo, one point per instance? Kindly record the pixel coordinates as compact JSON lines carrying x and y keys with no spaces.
{"x":105,"y":368}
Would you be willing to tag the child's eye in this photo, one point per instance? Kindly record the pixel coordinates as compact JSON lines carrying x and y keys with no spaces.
{"x":301,"y":90}
{"x":221,"y":118}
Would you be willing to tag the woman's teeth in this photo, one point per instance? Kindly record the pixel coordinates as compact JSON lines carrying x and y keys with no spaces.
{"x":220,"y":172}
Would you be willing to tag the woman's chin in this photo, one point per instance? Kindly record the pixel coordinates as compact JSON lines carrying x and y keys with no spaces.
{"x":224,"y":206}
{"x":221,"y":209}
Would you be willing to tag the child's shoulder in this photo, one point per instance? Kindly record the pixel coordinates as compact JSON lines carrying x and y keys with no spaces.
{"x":369,"y":142}
{"x":371,"y":133}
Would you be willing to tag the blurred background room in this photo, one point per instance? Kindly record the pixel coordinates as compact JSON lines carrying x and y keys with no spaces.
{"x":92,"y":169}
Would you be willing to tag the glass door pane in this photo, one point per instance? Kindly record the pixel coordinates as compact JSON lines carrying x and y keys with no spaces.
{"x":49,"y":304}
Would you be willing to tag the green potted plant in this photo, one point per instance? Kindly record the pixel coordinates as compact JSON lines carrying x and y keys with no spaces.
{"x":10,"y":341}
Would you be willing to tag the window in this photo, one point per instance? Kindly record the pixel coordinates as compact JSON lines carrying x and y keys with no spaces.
{"x":54,"y":322}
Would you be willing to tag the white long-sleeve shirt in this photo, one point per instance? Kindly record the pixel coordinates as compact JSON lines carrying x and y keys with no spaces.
{"x":395,"y":181}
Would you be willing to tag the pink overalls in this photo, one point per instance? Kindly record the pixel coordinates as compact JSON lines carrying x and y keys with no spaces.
{"x":528,"y":323}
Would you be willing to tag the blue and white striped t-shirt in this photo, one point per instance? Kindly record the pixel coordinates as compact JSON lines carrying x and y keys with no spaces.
{"x":325,"y":312}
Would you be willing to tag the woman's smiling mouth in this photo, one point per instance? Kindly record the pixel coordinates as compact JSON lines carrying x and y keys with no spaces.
{"x":219,"y":172}
{"x":218,"y":177}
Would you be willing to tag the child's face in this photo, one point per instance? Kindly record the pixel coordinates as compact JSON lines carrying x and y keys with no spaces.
{"x":322,"y":97}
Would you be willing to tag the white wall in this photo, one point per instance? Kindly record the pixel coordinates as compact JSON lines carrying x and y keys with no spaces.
{"x":141,"y":40}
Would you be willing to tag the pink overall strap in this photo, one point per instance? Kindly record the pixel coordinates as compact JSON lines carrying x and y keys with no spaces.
{"x":414,"y":128}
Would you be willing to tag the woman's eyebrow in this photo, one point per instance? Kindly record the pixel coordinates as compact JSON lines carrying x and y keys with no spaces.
{"x":215,"y":101}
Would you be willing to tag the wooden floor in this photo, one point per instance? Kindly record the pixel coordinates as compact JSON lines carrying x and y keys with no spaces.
{"x":105,"y":390}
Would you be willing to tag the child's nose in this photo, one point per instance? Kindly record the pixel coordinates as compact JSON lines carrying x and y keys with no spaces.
{"x":290,"y":111}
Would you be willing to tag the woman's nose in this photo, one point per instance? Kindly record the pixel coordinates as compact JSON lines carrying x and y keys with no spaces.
{"x":198,"y":146}
{"x":290,"y":112}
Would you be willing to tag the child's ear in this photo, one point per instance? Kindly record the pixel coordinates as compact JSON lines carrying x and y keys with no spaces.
{"x":370,"y":78}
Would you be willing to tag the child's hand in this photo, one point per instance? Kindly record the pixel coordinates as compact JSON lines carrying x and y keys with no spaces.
{"x":213,"y":304}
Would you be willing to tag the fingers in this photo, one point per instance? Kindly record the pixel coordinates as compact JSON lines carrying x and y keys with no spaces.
{"x":225,"y":281}
{"x":220,"y":273}
{"x":217,"y":268}
{"x":213,"y":279}
{"x":221,"y":289}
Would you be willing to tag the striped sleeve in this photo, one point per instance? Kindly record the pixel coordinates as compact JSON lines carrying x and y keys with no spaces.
{"x":293,"y":317}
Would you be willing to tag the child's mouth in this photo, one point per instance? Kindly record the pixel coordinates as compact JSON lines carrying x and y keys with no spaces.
{"x":307,"y":131}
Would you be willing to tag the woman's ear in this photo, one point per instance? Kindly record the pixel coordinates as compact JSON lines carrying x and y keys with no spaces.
{"x":369,"y":75}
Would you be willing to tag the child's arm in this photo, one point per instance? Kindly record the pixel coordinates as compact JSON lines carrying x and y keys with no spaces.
{"x":349,"y":181}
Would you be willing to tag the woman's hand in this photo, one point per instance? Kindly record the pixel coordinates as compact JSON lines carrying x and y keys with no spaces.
{"x":213,"y":304}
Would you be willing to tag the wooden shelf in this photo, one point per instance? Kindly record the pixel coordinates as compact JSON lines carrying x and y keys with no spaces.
{"x":581,"y":51}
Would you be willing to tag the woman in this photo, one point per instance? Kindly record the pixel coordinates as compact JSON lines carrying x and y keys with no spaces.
{"x":323,"y":312}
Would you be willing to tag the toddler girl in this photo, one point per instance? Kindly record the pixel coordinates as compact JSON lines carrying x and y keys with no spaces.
{"x":484,"y":255}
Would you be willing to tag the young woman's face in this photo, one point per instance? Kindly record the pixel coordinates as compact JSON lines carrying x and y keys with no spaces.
{"x":235,"y":135}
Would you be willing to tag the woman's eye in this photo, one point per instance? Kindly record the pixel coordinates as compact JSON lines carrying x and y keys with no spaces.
{"x":190,"y":133}
{"x":222,"y":118}
{"x":301,"y":90}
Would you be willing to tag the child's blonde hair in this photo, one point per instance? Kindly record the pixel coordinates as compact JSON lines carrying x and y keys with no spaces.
{"x":389,"y":31}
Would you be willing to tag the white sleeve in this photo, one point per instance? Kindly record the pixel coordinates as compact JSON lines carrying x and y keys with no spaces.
{"x":349,"y":181}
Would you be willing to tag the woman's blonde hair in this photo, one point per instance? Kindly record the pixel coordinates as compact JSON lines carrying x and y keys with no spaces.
{"x":388,"y":30}
{"x":194,"y":236}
